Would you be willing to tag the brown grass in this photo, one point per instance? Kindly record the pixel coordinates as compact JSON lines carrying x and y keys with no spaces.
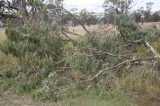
{"x":7,"y":61}
{"x":150,"y":24}
{"x":106,"y":29}
{"x":2,"y":35}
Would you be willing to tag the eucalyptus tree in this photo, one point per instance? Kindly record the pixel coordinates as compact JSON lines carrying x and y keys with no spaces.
{"x":118,"y":6}
{"x":147,"y":13}
{"x":19,"y":11}
{"x":7,"y":9}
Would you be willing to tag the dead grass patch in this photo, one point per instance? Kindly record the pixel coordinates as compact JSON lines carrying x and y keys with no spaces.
{"x":2,"y":35}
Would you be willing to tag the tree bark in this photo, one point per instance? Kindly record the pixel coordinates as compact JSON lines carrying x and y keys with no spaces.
{"x":154,"y":52}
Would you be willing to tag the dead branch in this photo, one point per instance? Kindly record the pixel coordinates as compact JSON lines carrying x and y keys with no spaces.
{"x":123,"y":36}
{"x":115,"y":66}
{"x":110,"y":54}
{"x":74,"y":33}
{"x":77,"y":20}
{"x":124,"y":63}
{"x":6,"y":16}
{"x":67,"y":36}
{"x":110,"y":68}
{"x":154,"y":52}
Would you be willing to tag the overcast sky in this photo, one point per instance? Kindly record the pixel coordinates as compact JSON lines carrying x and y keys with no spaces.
{"x":96,"y":5}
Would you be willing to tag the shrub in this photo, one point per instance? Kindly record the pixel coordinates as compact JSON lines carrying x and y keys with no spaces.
{"x":37,"y":49}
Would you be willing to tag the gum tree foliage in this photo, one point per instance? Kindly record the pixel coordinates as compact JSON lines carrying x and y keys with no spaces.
{"x":115,"y":7}
{"x":34,"y":10}
{"x":131,"y":32}
{"x":155,"y":16}
{"x":88,"y":18}
{"x":18,"y":11}
{"x":36,"y":44}
{"x":118,"y":6}
{"x":5,"y":8}
{"x":21,"y":6}
{"x":38,"y":47}
{"x":137,"y":15}
{"x":147,"y":13}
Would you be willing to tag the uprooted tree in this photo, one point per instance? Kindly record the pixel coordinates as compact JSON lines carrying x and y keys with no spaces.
{"x":47,"y":60}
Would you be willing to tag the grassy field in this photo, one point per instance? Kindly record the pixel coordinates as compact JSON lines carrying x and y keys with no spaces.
{"x":146,"y":25}
{"x":92,"y":28}
{"x":105,"y":29}
{"x":15,"y":100}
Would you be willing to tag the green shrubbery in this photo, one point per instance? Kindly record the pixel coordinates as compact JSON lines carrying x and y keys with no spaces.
{"x":50,"y":68}
{"x":42,"y":56}
{"x":37,"y":49}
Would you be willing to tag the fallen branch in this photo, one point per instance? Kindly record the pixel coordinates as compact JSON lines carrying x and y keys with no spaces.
{"x":123,"y":63}
{"x":110,"y":54}
{"x":154,"y":52}
{"x":67,"y":36}
{"x":74,"y":33}
{"x":77,"y":20}
{"x":109,"y":68}
{"x":6,"y":16}
{"x":115,"y":66}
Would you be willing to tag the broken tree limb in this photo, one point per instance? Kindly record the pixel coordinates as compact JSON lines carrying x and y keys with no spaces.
{"x":154,"y":52}
{"x":67,"y":36}
{"x":77,"y":20}
{"x":115,"y":66}
{"x":74,"y":34}
{"x":141,"y":60}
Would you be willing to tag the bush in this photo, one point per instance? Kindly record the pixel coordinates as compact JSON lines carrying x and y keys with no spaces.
{"x":37,"y":49}
{"x":88,"y":55}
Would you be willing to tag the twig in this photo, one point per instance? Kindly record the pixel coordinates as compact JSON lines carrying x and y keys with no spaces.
{"x":74,"y":33}
{"x":67,"y":36}
{"x":110,"y":54}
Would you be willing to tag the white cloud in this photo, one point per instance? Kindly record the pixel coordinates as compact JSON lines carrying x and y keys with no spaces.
{"x":142,"y":3}
{"x":90,"y":5}
{"x":96,"y":5}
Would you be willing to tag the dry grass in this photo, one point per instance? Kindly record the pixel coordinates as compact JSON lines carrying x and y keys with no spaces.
{"x":106,"y":29}
{"x":150,"y":24}
{"x":6,"y":61}
{"x":10,"y":99}
{"x":95,"y":101}
{"x":80,"y":30}
{"x":2,"y":35}
{"x":92,"y":28}
{"x":143,"y":84}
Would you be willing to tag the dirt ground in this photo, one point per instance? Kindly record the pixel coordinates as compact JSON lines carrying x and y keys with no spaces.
{"x":15,"y":100}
